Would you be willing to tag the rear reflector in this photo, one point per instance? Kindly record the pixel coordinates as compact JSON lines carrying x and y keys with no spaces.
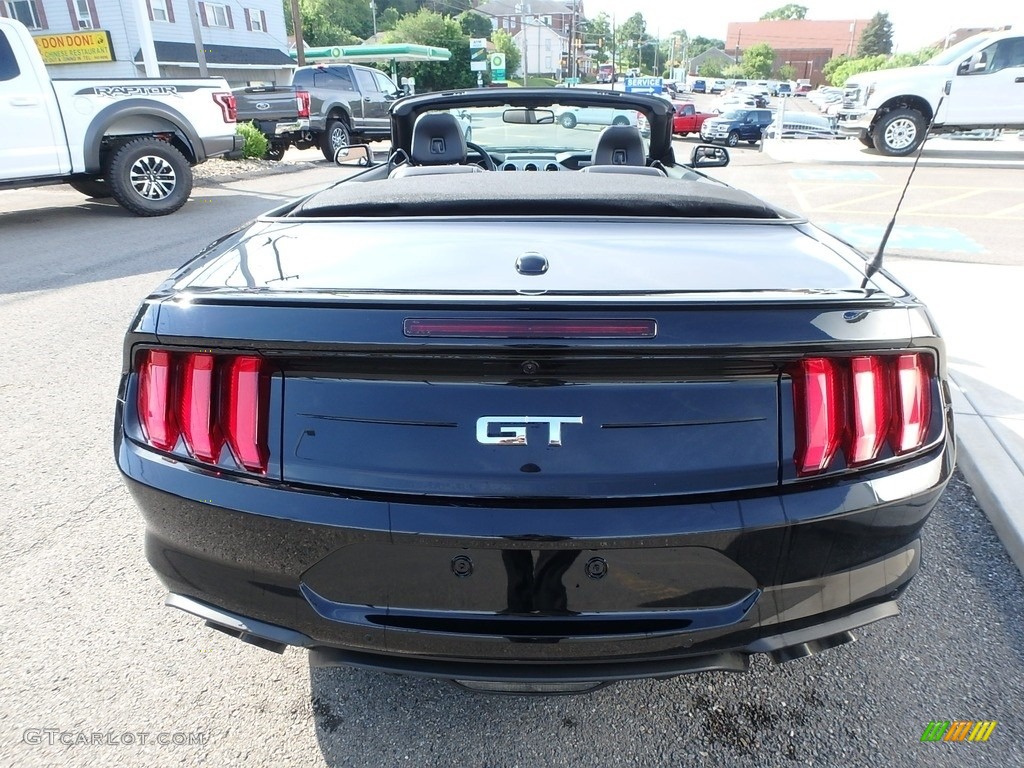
{"x":155,"y":412}
{"x":210,"y":400}
{"x":855,"y":405}
{"x":531,"y":328}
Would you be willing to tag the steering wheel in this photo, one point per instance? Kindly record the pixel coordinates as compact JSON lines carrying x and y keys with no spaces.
{"x":488,"y":160}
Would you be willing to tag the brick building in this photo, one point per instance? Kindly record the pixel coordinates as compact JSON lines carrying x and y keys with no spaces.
{"x":803,"y":44}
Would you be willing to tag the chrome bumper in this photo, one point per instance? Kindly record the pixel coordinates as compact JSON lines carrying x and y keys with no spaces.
{"x":855,"y":122}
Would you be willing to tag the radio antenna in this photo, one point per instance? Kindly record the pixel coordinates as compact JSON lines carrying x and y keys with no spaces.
{"x":876,"y":261}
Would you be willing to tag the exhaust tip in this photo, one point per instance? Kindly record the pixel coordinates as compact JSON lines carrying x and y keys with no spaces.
{"x":811,"y":647}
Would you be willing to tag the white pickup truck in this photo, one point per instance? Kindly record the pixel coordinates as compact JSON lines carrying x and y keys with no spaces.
{"x":980,"y":83}
{"x":132,"y":139}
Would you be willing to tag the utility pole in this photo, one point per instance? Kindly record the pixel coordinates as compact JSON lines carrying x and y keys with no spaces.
{"x":300,"y":47}
{"x":198,"y":37}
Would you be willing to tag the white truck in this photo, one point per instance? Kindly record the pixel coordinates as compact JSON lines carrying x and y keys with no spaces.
{"x":977,"y":84}
{"x":135,"y":140}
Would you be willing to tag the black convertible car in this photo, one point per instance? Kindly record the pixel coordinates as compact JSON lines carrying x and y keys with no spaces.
{"x":535,"y":413}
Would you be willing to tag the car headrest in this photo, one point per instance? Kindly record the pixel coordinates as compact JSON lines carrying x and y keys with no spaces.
{"x":619,"y":145}
{"x":437,"y":139}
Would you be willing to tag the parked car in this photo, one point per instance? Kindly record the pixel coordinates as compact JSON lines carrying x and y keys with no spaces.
{"x":802,"y":89}
{"x":134,"y":140}
{"x":782,"y":90}
{"x":737,"y":125}
{"x":348,"y":103}
{"x":686,"y":119}
{"x":722,"y":443}
{"x":699,"y":86}
{"x":717,"y":86}
{"x":570,"y":117}
{"x":280,"y":112}
{"x":733,"y":101}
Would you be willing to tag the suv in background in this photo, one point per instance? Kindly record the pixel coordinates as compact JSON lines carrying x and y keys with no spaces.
{"x":737,"y":125}
{"x":699,"y":86}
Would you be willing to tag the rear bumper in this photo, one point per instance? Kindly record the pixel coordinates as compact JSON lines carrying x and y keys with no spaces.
{"x":228,"y":146}
{"x":561,"y":593}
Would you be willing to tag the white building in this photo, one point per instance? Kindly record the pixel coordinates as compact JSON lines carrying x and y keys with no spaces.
{"x":243,"y":40}
{"x":541,"y":48}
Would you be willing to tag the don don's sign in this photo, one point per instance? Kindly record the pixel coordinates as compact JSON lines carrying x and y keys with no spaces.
{"x":75,"y":47}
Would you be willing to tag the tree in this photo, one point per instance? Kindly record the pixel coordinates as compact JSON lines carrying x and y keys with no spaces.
{"x":758,"y":60}
{"x":877,"y":36}
{"x":734,"y":72}
{"x":700,"y":44}
{"x":597,"y":35}
{"x":631,"y":33}
{"x":710,"y":68}
{"x":475,"y":25}
{"x":790,"y":11}
{"x":428,"y":28}
{"x":503,"y":43}
{"x":786,"y":72}
{"x":388,"y":19}
{"x":832,"y":65}
{"x":333,"y":22}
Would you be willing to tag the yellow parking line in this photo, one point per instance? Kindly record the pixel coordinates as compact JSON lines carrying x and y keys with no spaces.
{"x":862,"y":199}
{"x":943,"y":201}
{"x":1000,"y":214}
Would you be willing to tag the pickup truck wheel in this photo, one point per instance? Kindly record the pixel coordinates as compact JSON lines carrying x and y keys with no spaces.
{"x":337,"y":135}
{"x":899,"y":132}
{"x":91,"y":187}
{"x":620,"y":120}
{"x":568,"y":120}
{"x":276,"y":150}
{"x":149,"y":177}
{"x":733,"y":139}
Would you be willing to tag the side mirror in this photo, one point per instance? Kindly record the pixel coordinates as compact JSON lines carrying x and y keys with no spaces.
{"x":707,"y":156}
{"x":354,"y":154}
{"x":977,"y":63}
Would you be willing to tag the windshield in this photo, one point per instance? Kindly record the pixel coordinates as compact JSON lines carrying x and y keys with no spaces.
{"x":958,"y":51}
{"x":551,"y":129}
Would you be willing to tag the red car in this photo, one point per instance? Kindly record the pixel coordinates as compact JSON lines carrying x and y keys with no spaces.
{"x":687,"y":119}
{"x":803,"y":90}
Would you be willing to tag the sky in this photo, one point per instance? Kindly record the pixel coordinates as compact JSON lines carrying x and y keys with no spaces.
{"x":912,"y":29}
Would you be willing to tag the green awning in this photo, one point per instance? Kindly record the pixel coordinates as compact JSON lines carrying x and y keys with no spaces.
{"x":394,"y":52}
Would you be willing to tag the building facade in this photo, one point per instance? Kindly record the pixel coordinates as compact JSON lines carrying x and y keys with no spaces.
{"x":243,"y":40}
{"x":541,"y":47}
{"x":803,"y":44}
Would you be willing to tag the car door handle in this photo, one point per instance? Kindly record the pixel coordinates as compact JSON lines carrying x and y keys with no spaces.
{"x":24,"y":101}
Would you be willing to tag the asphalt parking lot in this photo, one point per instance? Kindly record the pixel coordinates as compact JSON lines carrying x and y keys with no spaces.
{"x":97,"y":672}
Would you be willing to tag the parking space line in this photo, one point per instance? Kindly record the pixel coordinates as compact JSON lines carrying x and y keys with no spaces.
{"x":863,"y":199}
{"x":931,"y":204}
{"x":1001,"y":213}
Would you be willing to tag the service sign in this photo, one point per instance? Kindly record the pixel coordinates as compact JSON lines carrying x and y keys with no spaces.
{"x":75,"y":47}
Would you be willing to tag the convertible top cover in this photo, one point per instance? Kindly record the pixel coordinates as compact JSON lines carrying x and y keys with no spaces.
{"x":535,"y":194}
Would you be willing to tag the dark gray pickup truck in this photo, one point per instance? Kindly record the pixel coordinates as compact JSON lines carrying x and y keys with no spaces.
{"x":281,"y":112}
{"x":348,"y":104}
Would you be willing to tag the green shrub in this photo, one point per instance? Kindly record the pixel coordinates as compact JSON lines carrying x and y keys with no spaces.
{"x":256,"y":144}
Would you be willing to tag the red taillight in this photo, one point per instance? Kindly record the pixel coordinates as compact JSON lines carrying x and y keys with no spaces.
{"x":245,"y":412}
{"x":818,"y":415}
{"x":209,"y":400}
{"x":855,"y":405}
{"x":302,"y":102}
{"x":870,"y":408}
{"x":155,"y":398}
{"x":913,"y":402}
{"x":228,"y":105}
{"x":197,"y":412}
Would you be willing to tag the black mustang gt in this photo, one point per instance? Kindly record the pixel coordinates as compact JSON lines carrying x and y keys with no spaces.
{"x":535,"y":412}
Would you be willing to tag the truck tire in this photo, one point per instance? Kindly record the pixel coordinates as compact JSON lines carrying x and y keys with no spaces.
{"x":275,"y":150}
{"x":568,"y":120}
{"x":337,"y":134}
{"x":733,"y":139}
{"x":149,"y":177}
{"x":899,"y":132}
{"x":866,"y":140}
{"x":91,"y":187}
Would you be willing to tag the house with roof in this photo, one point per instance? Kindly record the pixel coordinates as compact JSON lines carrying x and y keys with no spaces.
{"x":242,"y":40}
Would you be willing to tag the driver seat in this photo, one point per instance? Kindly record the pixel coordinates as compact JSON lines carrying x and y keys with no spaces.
{"x":438,"y":147}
